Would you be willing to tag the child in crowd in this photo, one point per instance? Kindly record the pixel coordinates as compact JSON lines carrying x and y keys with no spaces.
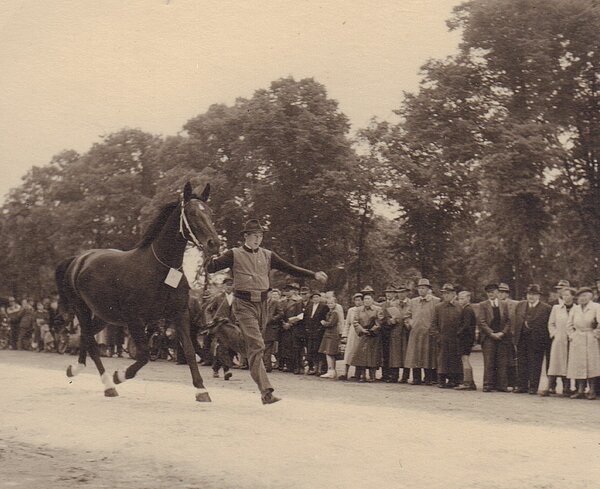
{"x":330,"y":342}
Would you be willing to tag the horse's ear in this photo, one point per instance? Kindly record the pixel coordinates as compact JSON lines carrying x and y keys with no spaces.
{"x":187,"y":192}
{"x":205,"y":193}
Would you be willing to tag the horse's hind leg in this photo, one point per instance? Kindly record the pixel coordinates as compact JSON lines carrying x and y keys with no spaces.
{"x":83,"y":316}
{"x":94,"y":351}
{"x":137,"y":331}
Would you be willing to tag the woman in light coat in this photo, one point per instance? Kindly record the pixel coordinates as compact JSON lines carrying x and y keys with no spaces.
{"x":584,"y":349}
{"x":349,"y":333}
{"x":559,"y":352}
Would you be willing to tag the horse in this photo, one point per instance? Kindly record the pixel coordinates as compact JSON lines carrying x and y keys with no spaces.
{"x":131,"y":288}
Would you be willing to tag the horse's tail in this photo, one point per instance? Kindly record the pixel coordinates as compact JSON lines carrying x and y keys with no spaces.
{"x":63,"y":287}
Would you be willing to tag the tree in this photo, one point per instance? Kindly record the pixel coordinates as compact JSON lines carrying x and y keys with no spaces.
{"x":287,"y":160}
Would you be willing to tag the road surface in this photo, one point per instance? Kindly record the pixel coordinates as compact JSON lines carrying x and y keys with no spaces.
{"x":59,"y":434}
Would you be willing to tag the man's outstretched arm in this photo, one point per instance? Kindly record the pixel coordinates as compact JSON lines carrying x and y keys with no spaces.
{"x":280,"y":264}
{"x":221,"y":262}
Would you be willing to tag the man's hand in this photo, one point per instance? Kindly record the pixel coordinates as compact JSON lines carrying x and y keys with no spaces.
{"x":321,"y":277}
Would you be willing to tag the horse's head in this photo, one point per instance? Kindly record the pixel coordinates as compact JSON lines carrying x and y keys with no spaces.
{"x":195,"y":223}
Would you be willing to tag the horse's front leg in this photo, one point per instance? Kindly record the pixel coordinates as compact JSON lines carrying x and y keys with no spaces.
{"x":137,"y":331}
{"x":183,"y":333}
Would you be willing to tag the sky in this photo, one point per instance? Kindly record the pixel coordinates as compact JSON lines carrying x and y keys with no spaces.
{"x":72,"y":71}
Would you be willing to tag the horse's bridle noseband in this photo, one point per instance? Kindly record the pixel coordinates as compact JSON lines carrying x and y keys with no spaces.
{"x":183,"y":221}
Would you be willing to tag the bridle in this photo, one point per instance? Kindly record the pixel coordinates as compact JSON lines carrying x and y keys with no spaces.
{"x":183,"y":221}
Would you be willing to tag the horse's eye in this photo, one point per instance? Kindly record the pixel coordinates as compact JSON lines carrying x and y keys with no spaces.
{"x":200,"y":206}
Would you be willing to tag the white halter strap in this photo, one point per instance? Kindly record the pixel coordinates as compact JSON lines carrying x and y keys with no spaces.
{"x":183,"y":221}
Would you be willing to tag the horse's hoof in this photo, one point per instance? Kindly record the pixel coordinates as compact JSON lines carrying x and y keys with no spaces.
{"x":203,"y":397}
{"x":112,"y":392}
{"x":116,"y":378}
{"x":70,"y":372}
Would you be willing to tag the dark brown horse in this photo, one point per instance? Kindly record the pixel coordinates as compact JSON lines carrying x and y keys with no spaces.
{"x":134,"y":287}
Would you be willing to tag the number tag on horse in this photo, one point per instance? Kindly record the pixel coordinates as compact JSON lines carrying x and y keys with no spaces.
{"x":173,"y":278}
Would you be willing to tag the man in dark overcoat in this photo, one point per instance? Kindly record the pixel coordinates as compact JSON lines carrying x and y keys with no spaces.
{"x":293,"y":335}
{"x":466,"y":339}
{"x":272,"y":327}
{"x":314,"y":312}
{"x":390,"y":299}
{"x":221,"y":307}
{"x":444,"y":326}
{"x":532,"y":339}
{"x":494,"y":327}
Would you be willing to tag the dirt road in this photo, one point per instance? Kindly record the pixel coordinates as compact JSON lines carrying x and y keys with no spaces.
{"x":61,"y":434}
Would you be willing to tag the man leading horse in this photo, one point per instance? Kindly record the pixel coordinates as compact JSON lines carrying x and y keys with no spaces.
{"x":250,"y":265}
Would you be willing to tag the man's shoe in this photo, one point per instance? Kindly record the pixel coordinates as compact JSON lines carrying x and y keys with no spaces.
{"x":466,"y":387}
{"x":342,"y":377}
{"x":578,"y":395}
{"x":215,"y":374}
{"x":532,"y":392}
{"x":403,"y":381}
{"x":487,"y":389}
{"x":228,"y":375}
{"x":545,"y":393}
{"x":328,"y":375}
{"x":518,"y":390}
{"x":312,"y":371}
{"x":416,"y":382}
{"x":269,"y":398}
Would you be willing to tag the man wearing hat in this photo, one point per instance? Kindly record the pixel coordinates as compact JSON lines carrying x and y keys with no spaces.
{"x":466,"y":339}
{"x":494,"y":327}
{"x":349,"y":334}
{"x":221,"y":307}
{"x":387,"y":323}
{"x":14,"y":313}
{"x":559,"y":349}
{"x":314,"y":312}
{"x":291,"y":307}
{"x":532,"y":339}
{"x":422,"y":351}
{"x":511,"y":304}
{"x":556,"y":298}
{"x":584,"y":350}
{"x":395,"y":313}
{"x":250,"y":265}
{"x":367,"y":325}
{"x":444,"y":327}
{"x":298,"y":328}
{"x":273,"y":327}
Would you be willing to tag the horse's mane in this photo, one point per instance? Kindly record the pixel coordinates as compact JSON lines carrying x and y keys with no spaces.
{"x":151,"y":232}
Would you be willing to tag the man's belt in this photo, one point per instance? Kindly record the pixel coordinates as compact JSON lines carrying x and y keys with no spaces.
{"x":251,"y":295}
